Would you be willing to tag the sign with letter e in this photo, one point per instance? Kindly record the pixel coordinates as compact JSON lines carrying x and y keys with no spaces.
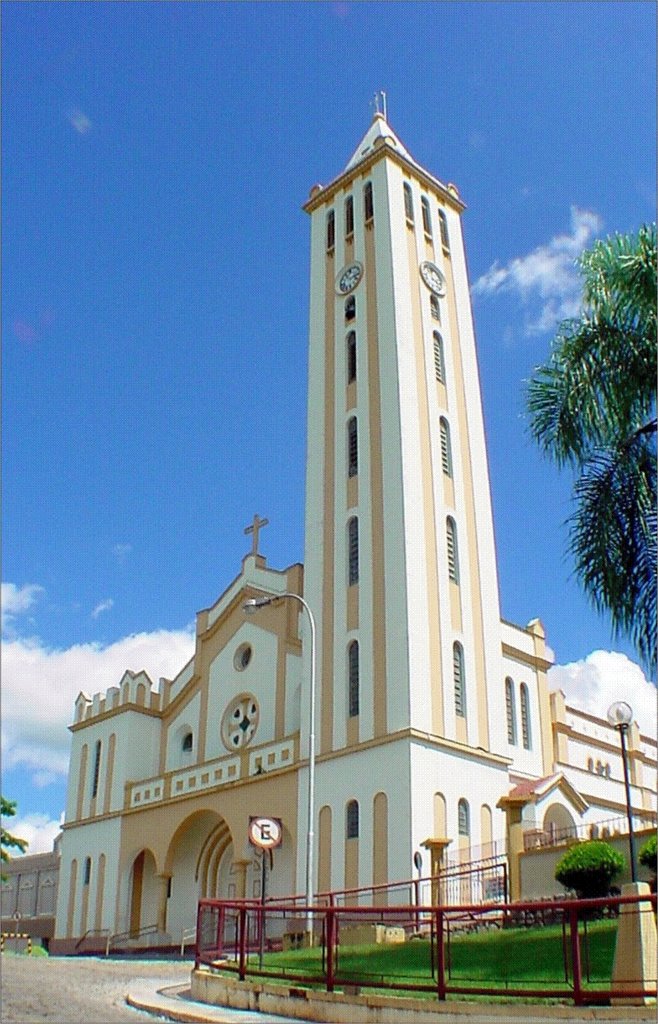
{"x":266,"y":833}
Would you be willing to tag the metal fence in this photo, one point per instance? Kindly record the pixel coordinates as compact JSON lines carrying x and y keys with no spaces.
{"x":557,"y":949}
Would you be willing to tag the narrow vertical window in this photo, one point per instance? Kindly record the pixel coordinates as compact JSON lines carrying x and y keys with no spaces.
{"x":427,"y":223}
{"x":439,"y":359}
{"x":331,"y":230}
{"x":86,"y":878}
{"x":446,"y":447}
{"x":188,"y":741}
{"x":510,"y":710}
{"x":352,"y":447}
{"x":353,"y":678}
{"x":525,"y":717}
{"x":353,"y":549}
{"x":350,"y":308}
{"x":368,"y":208}
{"x":97,"y":768}
{"x":352,"y":820}
{"x":453,"y":554}
{"x":463,"y":818}
{"x":459,"y":679}
{"x":408,"y":203}
{"x":349,"y":216}
{"x":351,"y":357}
{"x":443,"y":228}
{"x":434,"y":308}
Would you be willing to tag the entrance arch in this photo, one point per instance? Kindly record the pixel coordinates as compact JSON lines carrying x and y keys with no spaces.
{"x":198,"y":863}
{"x":558,"y":822}
{"x":143,"y":892}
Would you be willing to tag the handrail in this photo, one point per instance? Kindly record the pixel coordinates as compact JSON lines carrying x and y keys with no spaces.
{"x":148,"y":929}
{"x":95,"y":931}
{"x":186,"y":933}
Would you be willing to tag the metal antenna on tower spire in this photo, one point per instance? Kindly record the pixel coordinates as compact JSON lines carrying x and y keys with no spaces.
{"x":383,"y":96}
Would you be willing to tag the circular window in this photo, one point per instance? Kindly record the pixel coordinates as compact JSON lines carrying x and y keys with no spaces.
{"x":240,"y":722}
{"x":242,"y":657}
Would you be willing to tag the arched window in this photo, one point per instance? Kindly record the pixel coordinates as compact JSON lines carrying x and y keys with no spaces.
{"x":367,"y":202}
{"x":331,"y":230}
{"x":427,"y":223}
{"x":349,"y":216}
{"x":350,"y":308}
{"x":446,"y":447}
{"x":434,"y":308}
{"x":97,"y":768}
{"x":439,"y":362}
{"x":353,"y":678}
{"x":408,"y":203}
{"x":463,"y":818}
{"x":351,"y":357}
{"x":352,"y":820}
{"x":86,"y":878}
{"x":453,"y":554}
{"x":352,"y":447}
{"x":353,"y":549}
{"x":525,"y":717}
{"x":459,"y":679}
{"x":511,"y":710}
{"x":443,"y":228}
{"x":188,"y":742}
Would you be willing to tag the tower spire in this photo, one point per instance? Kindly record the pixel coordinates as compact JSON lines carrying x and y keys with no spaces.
{"x":379,"y":99}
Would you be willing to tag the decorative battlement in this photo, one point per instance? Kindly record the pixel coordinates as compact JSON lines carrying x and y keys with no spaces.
{"x":135,"y":690}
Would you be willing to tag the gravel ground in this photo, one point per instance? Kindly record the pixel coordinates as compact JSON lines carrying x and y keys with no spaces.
{"x":70,"y":990}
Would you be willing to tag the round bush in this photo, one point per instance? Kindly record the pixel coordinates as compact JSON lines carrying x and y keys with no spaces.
{"x":589,"y":868}
{"x":647,"y":854}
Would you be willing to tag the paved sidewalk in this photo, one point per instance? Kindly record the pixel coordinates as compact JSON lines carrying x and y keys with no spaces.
{"x":175,"y":1003}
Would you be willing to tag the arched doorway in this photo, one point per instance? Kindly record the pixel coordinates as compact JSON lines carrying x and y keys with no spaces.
{"x":558,"y":823}
{"x":143,"y":893}
{"x":199,"y":863}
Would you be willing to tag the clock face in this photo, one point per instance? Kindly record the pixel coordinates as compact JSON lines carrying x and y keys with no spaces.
{"x":433,"y":277}
{"x":348,"y":278}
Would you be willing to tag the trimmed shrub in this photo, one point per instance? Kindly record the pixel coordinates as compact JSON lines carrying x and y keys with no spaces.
{"x":589,"y":868}
{"x":647,"y":854}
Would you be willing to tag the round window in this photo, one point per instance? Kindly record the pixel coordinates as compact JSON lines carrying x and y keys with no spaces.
{"x":240,"y":722}
{"x":242,"y":657}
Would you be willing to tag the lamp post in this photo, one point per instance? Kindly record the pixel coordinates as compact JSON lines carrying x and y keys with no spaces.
{"x":620,"y":716}
{"x":251,"y":607}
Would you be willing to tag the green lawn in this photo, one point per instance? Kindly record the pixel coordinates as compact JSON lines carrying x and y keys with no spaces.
{"x":515,"y":957}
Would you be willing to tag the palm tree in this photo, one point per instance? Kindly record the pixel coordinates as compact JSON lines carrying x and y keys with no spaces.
{"x":8,"y":810}
{"x":593,"y":406}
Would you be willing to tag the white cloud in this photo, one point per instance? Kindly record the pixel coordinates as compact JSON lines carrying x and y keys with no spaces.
{"x":16,"y":600}
{"x":603,"y":677}
{"x":121,"y":550}
{"x":40,"y":686}
{"x":546,"y":280}
{"x":103,"y":606}
{"x":80,"y":121}
{"x":38,"y":829}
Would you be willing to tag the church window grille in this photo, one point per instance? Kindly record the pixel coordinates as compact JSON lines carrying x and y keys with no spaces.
{"x":511,"y":711}
{"x":368,"y":207}
{"x":439,"y":360}
{"x":463,"y":818}
{"x":352,"y":447}
{"x":353,"y":672}
{"x":446,"y":447}
{"x":86,"y":878}
{"x":97,"y":768}
{"x":459,"y":679}
{"x":408,"y":203}
{"x":188,"y":741}
{"x":353,"y":549}
{"x":331,"y":230}
{"x":443,"y":228}
{"x":434,"y":308}
{"x":427,"y":223}
{"x":350,"y":308}
{"x":352,"y":820}
{"x":351,"y":357}
{"x":525,"y":717}
{"x":349,"y":216}
{"x":451,"y":545}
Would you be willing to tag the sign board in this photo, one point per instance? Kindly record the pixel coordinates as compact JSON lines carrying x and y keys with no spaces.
{"x":266,"y":833}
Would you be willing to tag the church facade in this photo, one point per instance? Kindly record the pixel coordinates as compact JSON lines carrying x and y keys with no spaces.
{"x":435,"y":732}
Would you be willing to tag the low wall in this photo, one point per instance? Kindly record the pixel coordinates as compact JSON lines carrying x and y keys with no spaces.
{"x":537,"y":867}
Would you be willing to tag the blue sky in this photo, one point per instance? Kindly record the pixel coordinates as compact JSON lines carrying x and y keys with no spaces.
{"x":155,"y":301}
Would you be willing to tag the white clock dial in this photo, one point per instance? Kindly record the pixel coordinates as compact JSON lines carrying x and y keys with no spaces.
{"x":433,"y":277}
{"x":348,"y":278}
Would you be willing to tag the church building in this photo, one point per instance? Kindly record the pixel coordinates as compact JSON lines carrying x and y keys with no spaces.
{"x":435,"y":735}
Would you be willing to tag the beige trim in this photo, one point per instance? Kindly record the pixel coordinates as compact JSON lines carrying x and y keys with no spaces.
{"x":353,"y":490}
{"x":351,"y":869}
{"x":442,"y":742}
{"x":100,"y":886}
{"x":455,"y":605}
{"x":531,"y":660}
{"x":430,"y":524}
{"x":112,"y":712}
{"x":84,"y":901}
{"x":464,"y":456}
{"x":324,"y":849}
{"x":353,"y":602}
{"x":109,"y":773}
{"x":82,"y":779}
{"x":70,"y":909}
{"x":352,"y":730}
{"x":380,"y":846}
{"x":377,"y":540}
{"x":326,"y":653}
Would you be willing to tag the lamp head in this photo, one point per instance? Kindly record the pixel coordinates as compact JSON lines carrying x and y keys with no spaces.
{"x":620,"y":714}
{"x":251,"y":606}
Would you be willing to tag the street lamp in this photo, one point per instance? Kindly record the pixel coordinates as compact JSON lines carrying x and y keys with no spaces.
{"x":251,"y":607}
{"x":620,"y":716}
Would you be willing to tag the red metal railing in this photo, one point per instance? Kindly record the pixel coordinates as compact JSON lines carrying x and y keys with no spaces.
{"x":231,"y":934}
